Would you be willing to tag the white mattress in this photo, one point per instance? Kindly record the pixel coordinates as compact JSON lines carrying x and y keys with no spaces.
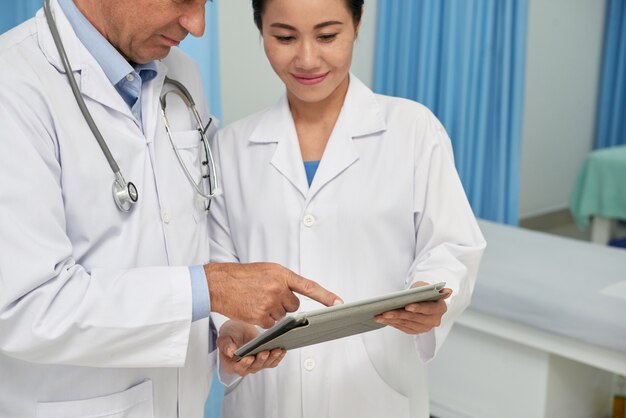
{"x":568,"y":287}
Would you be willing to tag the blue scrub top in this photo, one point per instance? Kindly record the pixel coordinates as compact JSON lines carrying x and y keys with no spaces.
{"x":311,"y":168}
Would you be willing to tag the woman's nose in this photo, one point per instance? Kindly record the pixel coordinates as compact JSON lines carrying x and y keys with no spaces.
{"x":307,"y":56}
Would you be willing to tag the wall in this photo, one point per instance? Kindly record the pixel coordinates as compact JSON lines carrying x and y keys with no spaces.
{"x":248,"y":82}
{"x":562,"y":79}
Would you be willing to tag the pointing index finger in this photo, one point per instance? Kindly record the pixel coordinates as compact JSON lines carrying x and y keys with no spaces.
{"x":312,"y":290}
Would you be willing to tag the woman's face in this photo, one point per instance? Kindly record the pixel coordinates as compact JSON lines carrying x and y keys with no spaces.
{"x":309,"y":44}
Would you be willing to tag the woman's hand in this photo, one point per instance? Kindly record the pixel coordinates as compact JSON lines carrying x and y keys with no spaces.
{"x":234,"y":334}
{"x":416,"y":318}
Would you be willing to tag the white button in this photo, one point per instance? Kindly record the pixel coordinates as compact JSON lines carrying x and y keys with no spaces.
{"x":165,"y":217}
{"x":308,"y":220}
{"x":130,"y":77}
{"x":309,"y":364}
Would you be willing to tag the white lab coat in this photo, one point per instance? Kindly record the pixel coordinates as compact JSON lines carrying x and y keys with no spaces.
{"x":95,"y":304}
{"x":385,"y":209}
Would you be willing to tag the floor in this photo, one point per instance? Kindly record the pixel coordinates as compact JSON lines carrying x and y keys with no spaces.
{"x":569,"y":230}
{"x":561,"y":223}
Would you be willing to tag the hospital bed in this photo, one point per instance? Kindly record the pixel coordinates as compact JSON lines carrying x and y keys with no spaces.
{"x":545,"y":334}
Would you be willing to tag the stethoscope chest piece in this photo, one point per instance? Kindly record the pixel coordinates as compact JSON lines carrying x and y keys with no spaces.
{"x":125,"y":194}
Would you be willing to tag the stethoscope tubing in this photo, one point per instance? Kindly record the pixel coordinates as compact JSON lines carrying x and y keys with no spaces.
{"x":77,"y":94}
{"x":184,"y":94}
{"x":125,"y":193}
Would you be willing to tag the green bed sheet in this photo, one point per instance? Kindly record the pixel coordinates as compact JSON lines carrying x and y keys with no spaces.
{"x":600,"y":188}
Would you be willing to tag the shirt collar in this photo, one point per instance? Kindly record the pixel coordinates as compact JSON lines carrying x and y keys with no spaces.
{"x":114,"y":65}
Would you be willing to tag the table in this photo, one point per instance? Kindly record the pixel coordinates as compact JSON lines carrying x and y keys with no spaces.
{"x":600,"y":192}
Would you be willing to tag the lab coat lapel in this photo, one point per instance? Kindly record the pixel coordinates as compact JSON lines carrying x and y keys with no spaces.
{"x":360,"y":116}
{"x":340,"y":153}
{"x":91,"y":79}
{"x":277,"y":127}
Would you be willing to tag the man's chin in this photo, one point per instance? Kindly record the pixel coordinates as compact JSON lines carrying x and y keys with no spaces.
{"x":157,"y":53}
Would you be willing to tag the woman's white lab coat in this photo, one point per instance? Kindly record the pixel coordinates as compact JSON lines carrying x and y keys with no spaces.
{"x":385,"y":209}
{"x":95,"y":304}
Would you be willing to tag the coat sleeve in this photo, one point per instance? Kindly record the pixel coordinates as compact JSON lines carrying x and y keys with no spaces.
{"x":449,"y":244}
{"x":222,"y":246}
{"x":52,"y":309}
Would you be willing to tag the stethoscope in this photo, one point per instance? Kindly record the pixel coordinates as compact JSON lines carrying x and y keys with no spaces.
{"x":125,"y":193}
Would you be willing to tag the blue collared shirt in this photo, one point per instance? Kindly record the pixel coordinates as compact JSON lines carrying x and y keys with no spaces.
{"x":128,"y":80}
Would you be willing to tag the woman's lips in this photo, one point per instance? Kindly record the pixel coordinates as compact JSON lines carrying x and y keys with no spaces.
{"x":309,"y":79}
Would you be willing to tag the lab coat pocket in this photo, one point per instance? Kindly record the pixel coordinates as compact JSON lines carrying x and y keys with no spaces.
{"x":135,"y":402}
{"x":188,"y":145}
{"x":360,"y":390}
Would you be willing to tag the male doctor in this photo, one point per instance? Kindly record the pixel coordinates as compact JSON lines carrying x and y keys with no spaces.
{"x":105,"y":313}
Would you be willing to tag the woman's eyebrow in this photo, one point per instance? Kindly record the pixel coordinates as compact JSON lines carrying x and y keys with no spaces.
{"x":329,"y":23}
{"x":318,"y":26}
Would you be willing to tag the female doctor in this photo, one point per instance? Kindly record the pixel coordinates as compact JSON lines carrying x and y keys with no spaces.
{"x":359,"y":192}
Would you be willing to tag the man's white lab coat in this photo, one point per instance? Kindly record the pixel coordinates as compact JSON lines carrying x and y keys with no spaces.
{"x":95,"y":304}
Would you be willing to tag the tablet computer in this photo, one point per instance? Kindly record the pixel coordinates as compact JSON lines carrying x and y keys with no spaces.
{"x":325,"y":324}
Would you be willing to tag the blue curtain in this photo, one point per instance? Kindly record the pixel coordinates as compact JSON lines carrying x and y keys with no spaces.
{"x":14,"y":12}
{"x":611,"y":119}
{"x":465,"y":60}
{"x":213,"y":406}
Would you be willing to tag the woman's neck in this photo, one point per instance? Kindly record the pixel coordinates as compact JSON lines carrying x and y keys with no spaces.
{"x":315,"y":122}
{"x":324,"y":110}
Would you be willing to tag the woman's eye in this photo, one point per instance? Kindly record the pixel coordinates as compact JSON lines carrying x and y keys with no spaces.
{"x":327,"y":37}
{"x":284,"y":39}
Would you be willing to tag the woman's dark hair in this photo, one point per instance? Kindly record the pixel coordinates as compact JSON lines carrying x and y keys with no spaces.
{"x":355,"y":6}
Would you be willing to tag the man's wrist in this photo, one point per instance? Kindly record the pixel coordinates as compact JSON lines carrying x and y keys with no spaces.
{"x":213,"y":280}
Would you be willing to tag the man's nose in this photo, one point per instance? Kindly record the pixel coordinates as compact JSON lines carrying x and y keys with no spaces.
{"x":193,"y":21}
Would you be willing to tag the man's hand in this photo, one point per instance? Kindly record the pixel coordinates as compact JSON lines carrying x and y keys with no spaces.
{"x":233,"y":335}
{"x":416,"y":318}
{"x":260,"y":293}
